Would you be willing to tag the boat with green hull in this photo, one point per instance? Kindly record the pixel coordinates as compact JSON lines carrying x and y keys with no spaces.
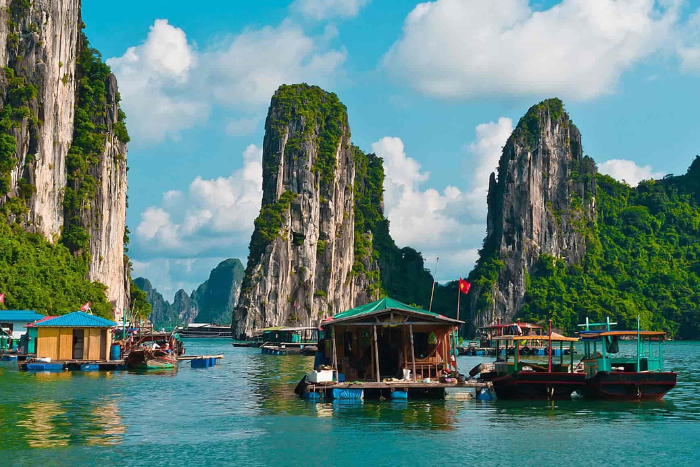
{"x":611,"y":376}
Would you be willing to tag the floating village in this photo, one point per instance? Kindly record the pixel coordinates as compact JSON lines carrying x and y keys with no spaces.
{"x":381,"y":350}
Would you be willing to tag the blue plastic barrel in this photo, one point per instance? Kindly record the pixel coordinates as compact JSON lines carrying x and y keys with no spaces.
{"x":115,"y":352}
{"x":401,"y":395}
{"x":89,"y":367}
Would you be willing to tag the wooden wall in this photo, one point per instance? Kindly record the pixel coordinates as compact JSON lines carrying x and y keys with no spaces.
{"x":47,"y":343}
{"x":57,"y":343}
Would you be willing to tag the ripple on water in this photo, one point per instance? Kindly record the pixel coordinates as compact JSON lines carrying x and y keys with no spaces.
{"x":245,"y":409}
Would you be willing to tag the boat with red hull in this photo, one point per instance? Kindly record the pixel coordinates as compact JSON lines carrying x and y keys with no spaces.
{"x":538,"y":385}
{"x":611,"y":376}
{"x":519,"y":379}
{"x":629,"y":386}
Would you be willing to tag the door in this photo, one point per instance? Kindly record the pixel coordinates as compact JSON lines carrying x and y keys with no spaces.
{"x":103,"y":344}
{"x":78,"y":343}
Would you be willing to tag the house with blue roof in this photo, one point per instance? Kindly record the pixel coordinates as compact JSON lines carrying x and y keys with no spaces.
{"x":14,"y":322}
{"x":74,"y":336}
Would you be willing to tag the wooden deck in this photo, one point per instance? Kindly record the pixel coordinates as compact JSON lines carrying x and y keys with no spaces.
{"x":398,"y":385}
{"x":77,"y":365}
{"x":184,"y":358}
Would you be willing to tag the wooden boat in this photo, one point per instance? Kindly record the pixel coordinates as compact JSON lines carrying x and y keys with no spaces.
{"x":609,"y":376}
{"x":154,"y":351}
{"x":283,"y":340}
{"x":149,"y":359}
{"x":532,"y":380}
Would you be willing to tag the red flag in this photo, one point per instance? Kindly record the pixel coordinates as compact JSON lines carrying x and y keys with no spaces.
{"x":2,"y":298}
{"x":85,"y":307}
{"x":464,"y":286}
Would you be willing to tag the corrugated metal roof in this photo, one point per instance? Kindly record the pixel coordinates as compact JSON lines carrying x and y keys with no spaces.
{"x":28,"y":316}
{"x":382,"y":305}
{"x":77,"y":319}
{"x":45,"y":318}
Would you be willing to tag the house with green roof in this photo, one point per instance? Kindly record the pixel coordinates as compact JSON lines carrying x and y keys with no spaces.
{"x":389,"y":339}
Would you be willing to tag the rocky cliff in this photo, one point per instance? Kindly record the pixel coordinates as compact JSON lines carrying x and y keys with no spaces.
{"x":212,"y":302}
{"x":62,"y":138}
{"x":540,"y":202}
{"x":218,"y":295}
{"x":302,"y":252}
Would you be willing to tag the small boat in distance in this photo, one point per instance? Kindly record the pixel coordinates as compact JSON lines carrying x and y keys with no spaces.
{"x":610,"y":376}
{"x":282,"y":340}
{"x":204,"y":331}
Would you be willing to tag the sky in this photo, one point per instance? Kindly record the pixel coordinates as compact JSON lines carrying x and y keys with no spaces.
{"x":434,"y":88}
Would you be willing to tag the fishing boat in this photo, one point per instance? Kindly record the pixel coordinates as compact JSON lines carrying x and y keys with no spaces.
{"x":284,"y":340}
{"x":151,"y":359}
{"x":154,"y":351}
{"x":520,"y":379}
{"x":611,"y":376}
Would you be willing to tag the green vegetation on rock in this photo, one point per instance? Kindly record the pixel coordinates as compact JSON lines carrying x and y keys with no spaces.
{"x":36,"y":275}
{"x":89,"y":139}
{"x":643,"y":257}
{"x":322,"y":115}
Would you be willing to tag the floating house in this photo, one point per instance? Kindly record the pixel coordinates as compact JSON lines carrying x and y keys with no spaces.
{"x":74,"y":336}
{"x":28,"y":341}
{"x":384,"y":349}
{"x":15,"y":322}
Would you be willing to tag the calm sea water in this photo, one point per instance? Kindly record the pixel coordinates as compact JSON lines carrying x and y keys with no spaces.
{"x":244,"y":412}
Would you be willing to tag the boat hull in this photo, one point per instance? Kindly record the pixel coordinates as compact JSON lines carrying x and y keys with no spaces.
{"x":628,"y":385}
{"x":149,"y":360}
{"x":537,"y":385}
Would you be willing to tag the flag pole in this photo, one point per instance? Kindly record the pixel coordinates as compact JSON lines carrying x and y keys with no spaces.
{"x":459,"y":293}
{"x":430,"y":308}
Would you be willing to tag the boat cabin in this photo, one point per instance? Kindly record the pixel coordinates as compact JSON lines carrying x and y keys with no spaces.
{"x":386,"y":340}
{"x":518,"y":343}
{"x":74,"y":336}
{"x":489,"y":334}
{"x":289,"y":335}
{"x":601,"y":349}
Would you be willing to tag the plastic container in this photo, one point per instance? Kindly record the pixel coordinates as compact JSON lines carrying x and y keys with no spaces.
{"x":319,"y":376}
{"x":115,"y":352}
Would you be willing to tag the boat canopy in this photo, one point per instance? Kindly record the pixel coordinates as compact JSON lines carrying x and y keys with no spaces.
{"x":594,"y":335}
{"x":544,"y":337}
{"x":387,"y":305}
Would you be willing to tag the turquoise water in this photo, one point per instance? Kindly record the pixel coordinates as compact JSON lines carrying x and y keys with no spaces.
{"x":243,"y":412}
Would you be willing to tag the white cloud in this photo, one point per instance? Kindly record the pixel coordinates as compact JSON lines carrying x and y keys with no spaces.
{"x":576,"y":48}
{"x":168,"y":85}
{"x":247,"y":68}
{"x":242,"y":126}
{"x":212,"y":215}
{"x":485,"y":153}
{"x":325,"y":9}
{"x":689,"y":49}
{"x":628,"y":171}
{"x":154,"y":85}
{"x":450,"y":223}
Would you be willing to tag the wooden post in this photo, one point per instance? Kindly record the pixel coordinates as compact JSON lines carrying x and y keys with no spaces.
{"x":571,"y":352}
{"x":413,"y":353}
{"x":376,"y":353}
{"x":549,"y":360}
{"x":334,"y":360}
{"x":561,"y":354}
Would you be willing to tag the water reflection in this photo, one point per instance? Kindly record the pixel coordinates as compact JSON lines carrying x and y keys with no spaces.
{"x":40,"y":425}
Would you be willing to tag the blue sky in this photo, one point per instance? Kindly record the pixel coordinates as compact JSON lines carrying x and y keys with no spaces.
{"x":434,"y":88}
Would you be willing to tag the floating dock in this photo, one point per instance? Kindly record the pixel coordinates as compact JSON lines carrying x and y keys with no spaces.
{"x":201,"y":361}
{"x":395,"y":390}
{"x":74,"y":365}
